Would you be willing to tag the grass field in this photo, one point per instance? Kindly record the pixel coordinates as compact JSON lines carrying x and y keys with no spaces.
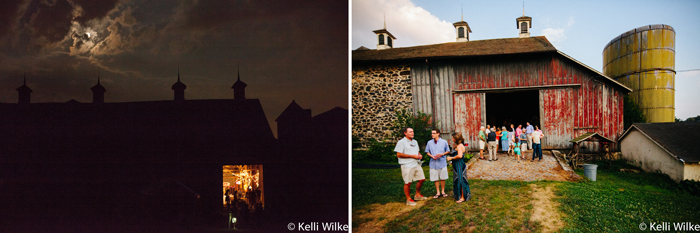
{"x":615,"y":202}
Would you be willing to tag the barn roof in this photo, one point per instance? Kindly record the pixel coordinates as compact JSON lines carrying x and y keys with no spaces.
{"x":293,"y":112}
{"x":459,"y":49}
{"x":676,"y":138}
{"x":536,"y":44}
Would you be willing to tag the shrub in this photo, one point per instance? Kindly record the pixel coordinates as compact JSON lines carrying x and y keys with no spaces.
{"x":467,"y":157}
{"x":420,"y":123}
{"x":690,"y":186}
{"x":377,"y":151}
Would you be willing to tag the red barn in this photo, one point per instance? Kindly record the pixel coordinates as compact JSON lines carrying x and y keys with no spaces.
{"x":499,"y":82}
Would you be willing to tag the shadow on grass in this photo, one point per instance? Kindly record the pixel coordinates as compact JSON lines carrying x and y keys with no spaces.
{"x":496,"y":206}
{"x":622,"y":201}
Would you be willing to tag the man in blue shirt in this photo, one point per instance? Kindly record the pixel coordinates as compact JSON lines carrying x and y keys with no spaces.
{"x":437,"y":149}
{"x":528,"y":132}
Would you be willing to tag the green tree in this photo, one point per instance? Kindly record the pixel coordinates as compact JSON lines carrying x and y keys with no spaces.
{"x":420,"y":123}
{"x":693,"y":119}
{"x":632,"y":113}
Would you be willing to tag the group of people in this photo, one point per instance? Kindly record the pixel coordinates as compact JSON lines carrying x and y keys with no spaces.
{"x":407,"y":151}
{"x":515,"y":141}
{"x":242,"y":205}
{"x":249,"y":197}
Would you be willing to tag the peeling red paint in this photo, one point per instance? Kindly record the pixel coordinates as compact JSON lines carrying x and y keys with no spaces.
{"x":567,"y":111}
{"x":467,"y":115}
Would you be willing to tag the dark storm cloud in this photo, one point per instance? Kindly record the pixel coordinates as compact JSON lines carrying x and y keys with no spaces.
{"x":92,"y":9}
{"x":52,"y":21}
{"x":9,"y":11}
{"x":287,"y":50}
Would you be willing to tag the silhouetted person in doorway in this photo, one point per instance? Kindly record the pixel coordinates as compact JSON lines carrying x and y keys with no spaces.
{"x":227,"y":198}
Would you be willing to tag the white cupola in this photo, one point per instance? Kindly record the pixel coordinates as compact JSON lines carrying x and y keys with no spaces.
{"x":524,"y":23}
{"x":385,"y":40}
{"x":463,"y":30}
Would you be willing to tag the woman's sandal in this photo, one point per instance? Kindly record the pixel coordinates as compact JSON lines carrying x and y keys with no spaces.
{"x":436,"y":196}
{"x":460,"y":201}
{"x":444,"y":194}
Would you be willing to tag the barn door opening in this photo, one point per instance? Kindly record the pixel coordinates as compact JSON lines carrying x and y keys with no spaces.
{"x":515,"y":107}
{"x":243,"y":187}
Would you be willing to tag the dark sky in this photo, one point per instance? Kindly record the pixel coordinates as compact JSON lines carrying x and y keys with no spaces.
{"x":287,"y":50}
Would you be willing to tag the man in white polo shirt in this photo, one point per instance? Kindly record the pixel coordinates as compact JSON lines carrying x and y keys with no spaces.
{"x":407,"y":152}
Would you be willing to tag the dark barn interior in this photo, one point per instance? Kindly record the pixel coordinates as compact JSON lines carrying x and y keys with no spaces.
{"x":512,"y":107}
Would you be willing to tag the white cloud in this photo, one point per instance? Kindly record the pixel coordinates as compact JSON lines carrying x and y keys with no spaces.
{"x":571,"y":21}
{"x":555,"y":31}
{"x":554,"y":34}
{"x":411,"y":25}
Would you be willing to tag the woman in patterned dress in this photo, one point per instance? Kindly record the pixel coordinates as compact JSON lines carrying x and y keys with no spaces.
{"x":459,"y":168}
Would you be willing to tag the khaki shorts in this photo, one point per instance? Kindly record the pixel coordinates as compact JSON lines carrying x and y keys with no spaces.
{"x":482,"y":144}
{"x":412,"y":174}
{"x":438,"y":174}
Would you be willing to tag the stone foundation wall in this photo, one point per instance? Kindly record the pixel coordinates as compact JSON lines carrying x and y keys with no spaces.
{"x":378,"y":90}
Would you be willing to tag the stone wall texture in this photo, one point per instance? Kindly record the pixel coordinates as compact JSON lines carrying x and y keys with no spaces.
{"x":377,"y":91}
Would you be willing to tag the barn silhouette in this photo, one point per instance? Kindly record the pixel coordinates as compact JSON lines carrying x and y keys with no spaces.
{"x":157,"y":165}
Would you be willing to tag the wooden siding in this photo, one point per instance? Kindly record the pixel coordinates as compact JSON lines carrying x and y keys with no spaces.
{"x":557,"y":120}
{"x":469,"y":116}
{"x":599,"y":108}
{"x":443,"y":77}
{"x":587,"y":105}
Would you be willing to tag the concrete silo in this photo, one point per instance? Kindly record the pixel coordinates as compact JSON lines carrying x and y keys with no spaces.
{"x":643,"y":59}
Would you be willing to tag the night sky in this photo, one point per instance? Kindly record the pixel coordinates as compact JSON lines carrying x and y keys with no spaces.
{"x":287,"y":50}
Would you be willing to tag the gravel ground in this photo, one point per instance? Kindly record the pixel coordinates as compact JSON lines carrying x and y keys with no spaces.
{"x":508,"y":168}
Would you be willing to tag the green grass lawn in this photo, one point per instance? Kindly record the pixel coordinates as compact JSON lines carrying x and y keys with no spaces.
{"x":615,"y":202}
{"x":495,"y":206}
{"x":620,"y":202}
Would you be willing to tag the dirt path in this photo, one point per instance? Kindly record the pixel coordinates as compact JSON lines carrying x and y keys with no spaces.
{"x":545,"y":210}
{"x":508,"y":168}
{"x":377,"y":215}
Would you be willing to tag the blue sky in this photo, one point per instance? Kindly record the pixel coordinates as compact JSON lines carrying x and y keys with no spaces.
{"x":580,"y":29}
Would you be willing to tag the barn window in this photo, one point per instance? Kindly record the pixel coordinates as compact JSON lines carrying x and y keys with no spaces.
{"x":381,"y":38}
{"x":460,"y":32}
{"x":389,"y":40}
{"x":523,"y":27}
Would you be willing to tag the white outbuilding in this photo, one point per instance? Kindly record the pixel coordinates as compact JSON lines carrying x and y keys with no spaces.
{"x":669,"y":148}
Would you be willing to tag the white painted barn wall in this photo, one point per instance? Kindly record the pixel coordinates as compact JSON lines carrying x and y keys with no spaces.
{"x":643,"y":152}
